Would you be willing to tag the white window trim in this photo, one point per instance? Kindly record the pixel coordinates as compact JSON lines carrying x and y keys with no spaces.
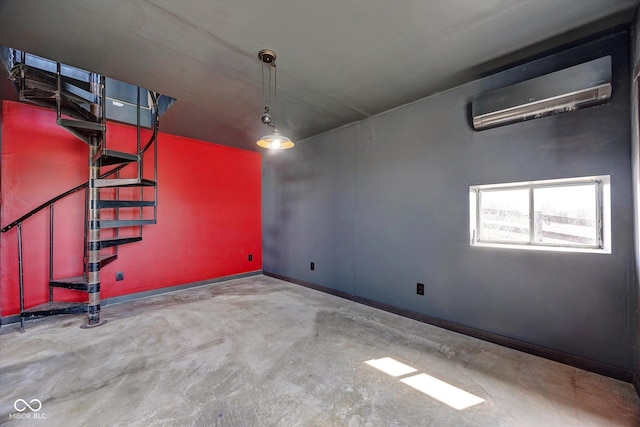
{"x":604,"y":214}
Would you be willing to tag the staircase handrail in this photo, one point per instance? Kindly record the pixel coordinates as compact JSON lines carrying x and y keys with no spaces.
{"x":69,"y":192}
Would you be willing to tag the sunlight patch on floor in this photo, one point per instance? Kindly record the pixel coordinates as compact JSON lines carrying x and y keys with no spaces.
{"x":442,"y":391}
{"x":391,"y":366}
{"x":433,"y":387}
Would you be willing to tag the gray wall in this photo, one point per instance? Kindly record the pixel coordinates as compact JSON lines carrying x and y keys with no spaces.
{"x":635,"y":158}
{"x":382,"y":204}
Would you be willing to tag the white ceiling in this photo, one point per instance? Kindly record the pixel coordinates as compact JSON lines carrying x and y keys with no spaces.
{"x":338,"y":61}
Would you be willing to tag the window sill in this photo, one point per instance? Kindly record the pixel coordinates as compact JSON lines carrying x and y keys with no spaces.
{"x":603,"y":251}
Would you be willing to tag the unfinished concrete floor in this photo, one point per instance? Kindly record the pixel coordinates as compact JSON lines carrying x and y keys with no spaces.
{"x":262,"y":352}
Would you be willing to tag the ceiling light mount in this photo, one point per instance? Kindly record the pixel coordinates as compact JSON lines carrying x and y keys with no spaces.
{"x":275,"y":140}
{"x":267,"y":56}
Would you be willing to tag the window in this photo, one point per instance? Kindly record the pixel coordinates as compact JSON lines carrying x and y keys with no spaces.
{"x":564,"y":214}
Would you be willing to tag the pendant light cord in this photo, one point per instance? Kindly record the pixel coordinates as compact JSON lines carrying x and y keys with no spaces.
{"x":266,"y":92}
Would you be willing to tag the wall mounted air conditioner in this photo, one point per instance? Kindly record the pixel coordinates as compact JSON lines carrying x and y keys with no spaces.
{"x":580,"y":86}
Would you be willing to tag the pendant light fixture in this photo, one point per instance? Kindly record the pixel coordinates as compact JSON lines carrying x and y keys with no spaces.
{"x":274,"y":140}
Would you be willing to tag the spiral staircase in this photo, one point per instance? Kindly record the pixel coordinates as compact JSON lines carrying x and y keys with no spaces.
{"x":80,"y":100}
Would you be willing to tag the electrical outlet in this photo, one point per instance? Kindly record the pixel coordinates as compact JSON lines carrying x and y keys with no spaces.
{"x":250,"y":257}
{"x":119,"y":276}
{"x":313,"y":266}
{"x":420,"y":289}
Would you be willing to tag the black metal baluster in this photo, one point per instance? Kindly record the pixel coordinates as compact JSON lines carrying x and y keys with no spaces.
{"x":20,"y":277}
{"x":50,"y":251}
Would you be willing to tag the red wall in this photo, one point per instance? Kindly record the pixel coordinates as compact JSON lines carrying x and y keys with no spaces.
{"x":209,"y":210}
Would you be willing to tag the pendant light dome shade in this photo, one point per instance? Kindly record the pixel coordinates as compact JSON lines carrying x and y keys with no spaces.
{"x":275,"y":141}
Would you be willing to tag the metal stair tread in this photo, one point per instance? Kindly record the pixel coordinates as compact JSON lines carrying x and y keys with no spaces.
{"x":74,"y":279}
{"x":97,"y":127}
{"x":35,"y":93}
{"x":55,"y":307}
{"x":47,"y":81}
{"x":75,"y":110}
{"x":77,"y":75}
{"x":116,"y":223}
{"x":86,"y":130}
{"x":115,"y":241}
{"x":113,"y":157}
{"x":110,"y":204}
{"x":123,"y":182}
{"x":68,"y":108}
{"x":107,"y":258}
{"x":78,"y":95}
{"x":77,"y":283}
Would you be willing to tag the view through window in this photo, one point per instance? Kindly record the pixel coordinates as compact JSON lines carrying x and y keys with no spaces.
{"x":566,"y":213}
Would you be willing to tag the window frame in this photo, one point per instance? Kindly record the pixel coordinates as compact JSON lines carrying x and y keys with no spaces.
{"x":602,"y":187}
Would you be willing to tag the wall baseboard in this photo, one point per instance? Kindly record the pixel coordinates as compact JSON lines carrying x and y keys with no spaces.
{"x":536,"y":350}
{"x":146,"y":294}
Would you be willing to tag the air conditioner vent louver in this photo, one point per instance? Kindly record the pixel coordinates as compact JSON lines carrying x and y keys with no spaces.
{"x":580,"y":86}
